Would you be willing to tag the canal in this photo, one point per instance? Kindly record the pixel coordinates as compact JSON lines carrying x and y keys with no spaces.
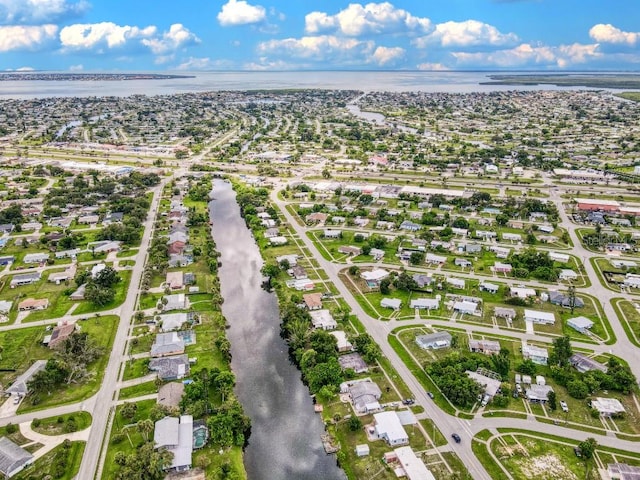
{"x":285,"y":432}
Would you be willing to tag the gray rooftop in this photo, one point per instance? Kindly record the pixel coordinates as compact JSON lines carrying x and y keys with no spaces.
{"x":12,"y":456}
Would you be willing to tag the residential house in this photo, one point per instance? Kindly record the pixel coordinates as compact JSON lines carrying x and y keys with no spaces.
{"x":331,"y":234}
{"x":13,"y":458}
{"x":434,"y":341}
{"x":377,"y":254}
{"x":522,"y":292}
{"x":464,"y":306}
{"x":175,"y":321}
{"x":7,"y":260}
{"x":62,"y":222}
{"x":501,"y":252}
{"x":176,"y":436}
{"x":113,"y":217}
{"x":170,"y":368}
{"x":374,"y":277}
{"x":388,"y":427}
{"x":179,"y":260}
{"x":435,"y":259}
{"x":67,"y":275}
{"x":89,"y":219}
{"x":499,"y":267}
{"x":68,"y":253}
{"x":19,"y":385}
{"x":316,"y":217}
{"x":580,"y":324}
{"x":323,"y":320}
{"x":488,"y":287}
{"x":557,"y":298}
{"x":59,"y":334}
{"x":538,"y":355}
{"x":107,"y":246}
{"x":487,"y":347}
{"x":622,"y":471}
{"x":176,"y":301}
{"x":292,"y":260}
{"x":35,"y":258}
{"x":298,"y":272}
{"x":313,"y":301}
{"x":6,"y":228}
{"x":538,"y":393}
{"x":392,"y":303}
{"x":167,"y":344}
{"x":33,"y":304}
{"x":410,"y":226}
{"x":422,"y":280}
{"x":559,"y":257}
{"x":353,"y":361}
{"x":472,"y":248}
{"x":364,"y":395}
{"x":271,"y":232}
{"x":349,"y":250}
{"x":408,"y":464}
{"x":583,"y":364}
{"x":608,"y":407}
{"x":78,"y":294}
{"x":276,"y":241}
{"x":25,"y":279}
{"x":425,"y":303}
{"x":512,"y":237}
{"x":5,"y":306}
{"x":631,"y":280}
{"x":462,"y":262}
{"x":456,"y":282}
{"x":490,"y":381}
{"x":97,"y":268}
{"x":568,"y":275}
{"x":175,"y":280}
{"x":342,"y":342}
{"x":504,"y":312}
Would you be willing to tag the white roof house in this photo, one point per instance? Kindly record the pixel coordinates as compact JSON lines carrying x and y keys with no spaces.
{"x":607,"y":406}
{"x":522,"y":292}
{"x":559,"y":257}
{"x":176,"y":435}
{"x":425,"y":303}
{"x":13,"y":458}
{"x":393,"y":303}
{"x":538,"y":355}
{"x":581,"y":324}
{"x":465,"y":306}
{"x":434,"y":340}
{"x":323,"y":320}
{"x":389,"y":428}
{"x":173,"y":321}
{"x":5,"y":306}
{"x":437,"y":259}
{"x":376,"y":275}
{"x":343,"y":343}
{"x":538,"y":393}
{"x":362,"y":450}
{"x":567,"y":274}
{"x":177,"y":301}
{"x":19,"y":386}
{"x":413,"y":467}
{"x":537,"y":316}
{"x":456,"y":282}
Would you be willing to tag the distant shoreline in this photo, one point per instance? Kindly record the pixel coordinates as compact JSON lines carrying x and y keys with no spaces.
{"x":85,"y":77}
{"x":621,"y":81}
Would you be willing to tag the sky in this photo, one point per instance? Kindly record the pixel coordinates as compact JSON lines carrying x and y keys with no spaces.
{"x":276,"y":35}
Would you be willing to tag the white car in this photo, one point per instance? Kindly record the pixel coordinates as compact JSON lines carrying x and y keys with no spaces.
{"x":564,"y":406}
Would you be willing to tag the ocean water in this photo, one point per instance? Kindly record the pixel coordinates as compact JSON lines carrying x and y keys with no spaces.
{"x":401,"y":81}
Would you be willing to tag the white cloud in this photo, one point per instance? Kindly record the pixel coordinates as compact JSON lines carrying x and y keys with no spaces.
{"x":205,"y":63}
{"x":527,"y":55}
{"x":39,"y":11}
{"x":466,"y":34}
{"x":385,"y":55}
{"x":23,"y":37}
{"x":76,"y":68}
{"x":265,"y":64}
{"x":434,"y":67}
{"x":178,"y":36}
{"x":105,"y":34}
{"x":372,"y":18}
{"x":25,"y":69}
{"x":607,"y":33}
{"x":239,"y":12}
{"x":319,"y":48}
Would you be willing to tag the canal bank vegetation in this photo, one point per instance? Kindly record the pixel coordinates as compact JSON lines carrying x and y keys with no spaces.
{"x":315,"y":352}
{"x":208,"y":388}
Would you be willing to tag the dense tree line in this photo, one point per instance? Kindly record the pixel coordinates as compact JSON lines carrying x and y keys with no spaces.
{"x":450,"y":377}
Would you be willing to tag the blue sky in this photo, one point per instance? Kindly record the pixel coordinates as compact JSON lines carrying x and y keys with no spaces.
{"x":107,"y":35}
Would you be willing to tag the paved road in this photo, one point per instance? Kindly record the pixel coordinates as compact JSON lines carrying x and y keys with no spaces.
{"x":105,"y":396}
{"x":379,"y":331}
{"x":468,"y":428}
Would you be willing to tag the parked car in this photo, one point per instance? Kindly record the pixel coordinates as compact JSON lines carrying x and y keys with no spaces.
{"x":430,"y":395}
{"x":456,"y":437}
{"x":564,"y":406}
{"x":408,"y":401}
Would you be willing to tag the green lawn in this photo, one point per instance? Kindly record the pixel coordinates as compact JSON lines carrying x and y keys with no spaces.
{"x":136,"y":368}
{"x":139,"y":390}
{"x":630,"y":319}
{"x":103,"y":330}
{"x":71,"y":422}
{"x":43,"y":469}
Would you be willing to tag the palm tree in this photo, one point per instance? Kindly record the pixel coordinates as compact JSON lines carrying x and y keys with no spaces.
{"x":145,"y":427}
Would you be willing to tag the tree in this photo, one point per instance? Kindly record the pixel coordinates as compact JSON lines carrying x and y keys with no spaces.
{"x":577,"y":389}
{"x":146,"y":463}
{"x":76,"y":352}
{"x":561,"y":352}
{"x":367,"y":347}
{"x":588,"y":448}
{"x":224,"y":383}
{"x":98,"y":295}
{"x":551,"y":400}
{"x":527,"y":367}
{"x":502,"y":363}
{"x":270,"y":270}
{"x":572,"y":297}
{"x":129,"y":410}
{"x":145,"y":427}
{"x":326,"y":173}
{"x":355,"y":424}
{"x":384,"y":286}
{"x":416,"y":258}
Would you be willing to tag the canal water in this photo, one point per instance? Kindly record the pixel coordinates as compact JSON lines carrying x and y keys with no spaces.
{"x":285,"y":432}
